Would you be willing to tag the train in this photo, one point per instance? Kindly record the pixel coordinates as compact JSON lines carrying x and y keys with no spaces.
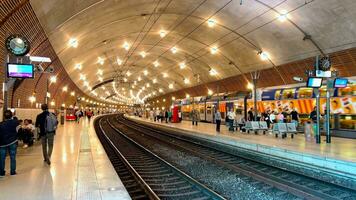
{"x":278,"y":99}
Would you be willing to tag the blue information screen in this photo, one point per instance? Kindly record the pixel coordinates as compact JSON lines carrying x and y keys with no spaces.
{"x":340,"y":83}
{"x":20,"y":70}
{"x":314,"y":82}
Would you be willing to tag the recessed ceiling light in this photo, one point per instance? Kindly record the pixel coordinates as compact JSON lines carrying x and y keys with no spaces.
{"x":182,"y":65}
{"x":126,"y":46}
{"x":143,"y":54}
{"x":174,"y":50}
{"x":264,"y":55}
{"x":170,"y":86}
{"x":145,"y":72}
{"x":128,"y":73}
{"x":82,"y":77}
{"x":186,"y":81}
{"x":212,"y":72}
{"x":65,"y":89}
{"x":160,"y":90}
{"x":210,"y":92}
{"x":73,"y":42}
{"x":165,"y":75}
{"x":162,"y":33}
{"x":211,"y":22}
{"x":154,"y":80}
{"x":100,"y":71}
{"x":78,"y":66}
{"x":139,"y":78}
{"x":156,"y":63}
{"x":100,"y":60}
{"x":119,"y":61}
{"x":283,"y":16}
{"x":214,"y":50}
{"x":100,"y":79}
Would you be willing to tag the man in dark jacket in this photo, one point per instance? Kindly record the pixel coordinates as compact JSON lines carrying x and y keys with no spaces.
{"x":8,"y":142}
{"x":47,"y":138}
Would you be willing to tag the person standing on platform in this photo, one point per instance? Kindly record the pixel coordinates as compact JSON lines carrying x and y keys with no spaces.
{"x":169,"y":115}
{"x":231,"y":117}
{"x":195,"y":117}
{"x":217,"y":119}
{"x":8,"y":142}
{"x":295,"y":117}
{"x":47,"y":122}
{"x":151,"y":115}
{"x":250,"y":115}
{"x":89,"y":114}
{"x":166,"y":115}
{"x":157,"y":115}
{"x":77,"y":115}
{"x":180,"y":116}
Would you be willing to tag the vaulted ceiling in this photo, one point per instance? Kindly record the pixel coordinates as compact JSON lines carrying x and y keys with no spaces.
{"x":222,"y":36}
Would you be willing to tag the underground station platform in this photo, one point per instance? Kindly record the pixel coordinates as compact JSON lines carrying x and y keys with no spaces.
{"x":178,"y":99}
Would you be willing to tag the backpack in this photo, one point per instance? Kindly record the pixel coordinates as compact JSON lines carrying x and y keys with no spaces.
{"x":51,"y":123}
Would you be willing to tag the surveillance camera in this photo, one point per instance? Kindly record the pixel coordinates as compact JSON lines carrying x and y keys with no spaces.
{"x":299,"y":79}
{"x":50,"y":69}
{"x":39,"y":68}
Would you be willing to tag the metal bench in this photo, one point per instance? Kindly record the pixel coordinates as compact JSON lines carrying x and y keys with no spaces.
{"x":256,"y":126}
{"x":282,"y":129}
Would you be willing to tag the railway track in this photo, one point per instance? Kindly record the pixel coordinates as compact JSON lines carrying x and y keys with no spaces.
{"x":293,"y":183}
{"x":145,"y":175}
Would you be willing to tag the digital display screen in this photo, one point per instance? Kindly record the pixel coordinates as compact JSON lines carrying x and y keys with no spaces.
{"x":314,"y":82}
{"x":20,"y":70}
{"x":340,"y":83}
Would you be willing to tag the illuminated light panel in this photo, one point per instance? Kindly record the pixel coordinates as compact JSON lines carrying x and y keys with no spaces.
{"x":211,"y":22}
{"x":148,"y":85}
{"x":32,"y":99}
{"x":173,"y":98}
{"x":213,"y":50}
{"x":249,"y":86}
{"x":128,"y":73}
{"x":160,"y":90}
{"x":156,"y":63}
{"x":210,"y":92}
{"x":187,"y":96}
{"x":139,"y":78}
{"x":100,"y":79}
{"x":126,"y":46}
{"x":78,"y":66}
{"x":162,"y":33}
{"x":283,"y":16}
{"x":170,"y":86}
{"x":213,"y":72}
{"x":65,"y":89}
{"x":101,"y":60}
{"x":165,"y":75}
{"x":73,"y":42}
{"x":72,"y":93}
{"x":182,"y":65}
{"x":145,"y":72}
{"x":154,"y":80}
{"x":100,"y":72}
{"x":53,"y":79}
{"x":125,"y":79}
{"x":186,"y":81}
{"x":174,"y":50}
{"x":143,"y":54}
{"x":119,"y":61}
{"x":264,"y":55}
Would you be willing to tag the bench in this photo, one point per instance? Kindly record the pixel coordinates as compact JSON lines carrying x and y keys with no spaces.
{"x":256,"y":126}
{"x":284,"y":128}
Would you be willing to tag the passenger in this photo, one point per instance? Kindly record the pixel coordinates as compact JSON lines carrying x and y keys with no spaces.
{"x":313,"y":115}
{"x":231,"y":117}
{"x":266,"y":118}
{"x":180,"y":115}
{"x":295,"y":117}
{"x":151,"y":115}
{"x":250,"y":114}
{"x":195,"y":117}
{"x":78,"y":115}
{"x":89,"y":114}
{"x":280,"y":118}
{"x":19,"y":130}
{"x":166,"y":115}
{"x":217,"y":119}
{"x":154,"y":115}
{"x":28,"y":130}
{"x":169,"y":115}
{"x":242,"y":122}
{"x":157,"y":115}
{"x":8,"y":142}
{"x":47,"y":122}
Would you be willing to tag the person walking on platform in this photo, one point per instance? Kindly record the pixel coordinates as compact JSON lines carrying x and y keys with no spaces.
{"x":295,"y":117}
{"x":180,"y":116}
{"x":78,"y":115}
{"x":250,"y":115}
{"x":169,"y":115}
{"x":217,"y":119}
{"x":89,"y":114}
{"x":47,"y":122}
{"x":8,"y":142}
{"x":231,"y":117}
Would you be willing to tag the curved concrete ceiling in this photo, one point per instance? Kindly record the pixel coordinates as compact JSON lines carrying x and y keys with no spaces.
{"x":239,"y":32}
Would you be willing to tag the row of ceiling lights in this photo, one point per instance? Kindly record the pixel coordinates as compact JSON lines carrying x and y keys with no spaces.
{"x":283,"y":16}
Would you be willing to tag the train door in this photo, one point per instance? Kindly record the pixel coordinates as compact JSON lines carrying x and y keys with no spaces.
{"x":209,"y":112}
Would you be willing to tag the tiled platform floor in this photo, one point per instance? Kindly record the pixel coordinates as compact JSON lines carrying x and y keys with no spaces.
{"x":339,"y":148}
{"x":80,"y":170}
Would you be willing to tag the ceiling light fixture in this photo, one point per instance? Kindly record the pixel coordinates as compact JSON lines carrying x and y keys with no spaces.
{"x":65,"y":89}
{"x":78,"y":66}
{"x":263,"y":55}
{"x":170,"y":86}
{"x":182,"y":65}
{"x":128,"y":73}
{"x":154,"y":80}
{"x":143,"y":54}
{"x":53,"y":79}
{"x":126,"y":46}
{"x":186,"y":81}
{"x":100,"y":71}
{"x":139,"y":78}
{"x":210,"y":92}
{"x":156,"y":63}
{"x":214,"y":50}
{"x":174,"y":50}
{"x":73,"y":42}
{"x":119,"y":61}
{"x":101,"y":60}
{"x":283,"y":16}
{"x":165,"y":75}
{"x":162,"y":33}
{"x":211,"y":22}
{"x":145,"y":72}
{"x":212,"y":72}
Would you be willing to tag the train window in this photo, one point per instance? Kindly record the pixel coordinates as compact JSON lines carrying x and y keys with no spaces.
{"x":277,"y":95}
{"x":350,"y":90}
{"x":305,"y":93}
{"x":288,"y":94}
